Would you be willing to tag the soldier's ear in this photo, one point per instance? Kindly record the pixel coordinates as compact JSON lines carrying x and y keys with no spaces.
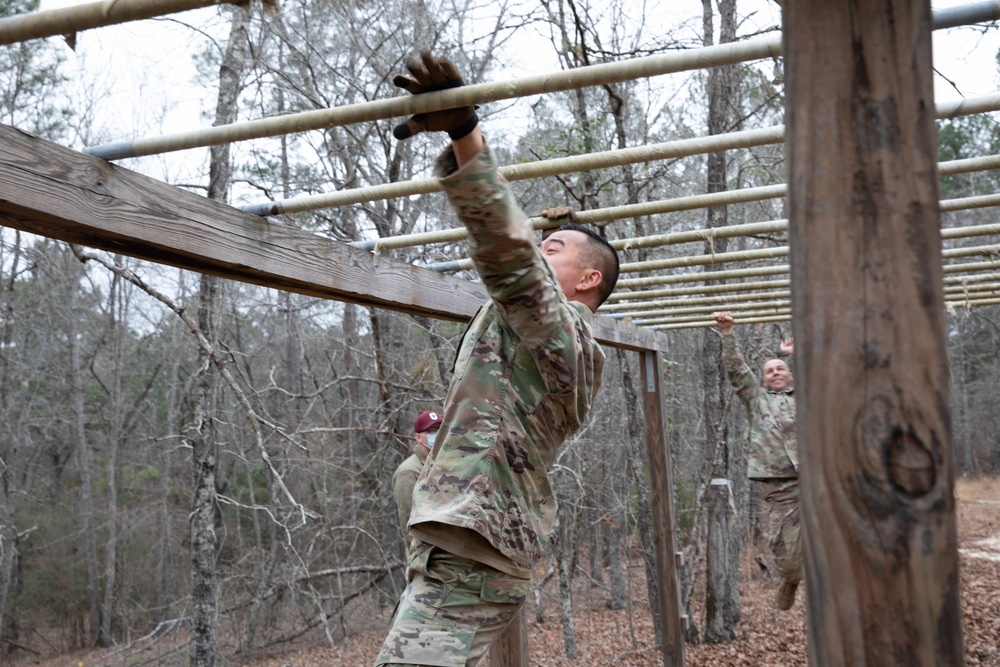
{"x":590,"y":280}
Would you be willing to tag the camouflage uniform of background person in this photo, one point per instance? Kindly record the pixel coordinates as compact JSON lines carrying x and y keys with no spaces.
{"x":773,"y":459}
{"x":425,"y":429}
{"x":524,"y":379}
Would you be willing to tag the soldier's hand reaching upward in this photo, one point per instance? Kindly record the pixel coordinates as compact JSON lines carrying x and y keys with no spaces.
{"x":786,"y":347}
{"x":428,"y":74}
{"x":725,"y":321}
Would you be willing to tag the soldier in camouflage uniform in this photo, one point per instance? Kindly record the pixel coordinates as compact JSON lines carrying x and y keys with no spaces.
{"x":524,"y":379}
{"x":425,"y":429}
{"x":773,"y":459}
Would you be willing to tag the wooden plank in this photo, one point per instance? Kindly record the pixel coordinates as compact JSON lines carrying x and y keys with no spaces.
{"x":56,"y":192}
{"x":664,"y":523}
{"x":510,"y":649}
{"x":622,"y":334}
{"x":878,"y":506}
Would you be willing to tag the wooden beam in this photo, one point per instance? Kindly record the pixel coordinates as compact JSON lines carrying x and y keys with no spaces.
{"x":56,"y":192}
{"x":663,"y":520}
{"x":878,"y":505}
{"x":627,"y":336}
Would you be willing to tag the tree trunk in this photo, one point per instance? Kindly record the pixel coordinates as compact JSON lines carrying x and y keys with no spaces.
{"x":538,"y":596}
{"x":204,"y":539}
{"x":9,"y":450}
{"x":959,"y":379}
{"x":719,"y":578}
{"x":83,"y":459}
{"x":616,"y":566}
{"x":722,"y":608}
{"x":115,"y":305}
{"x":8,"y":547}
{"x":8,"y":559}
{"x":165,"y":535}
{"x":594,"y":538}
{"x":352,"y":399}
{"x":564,"y":560}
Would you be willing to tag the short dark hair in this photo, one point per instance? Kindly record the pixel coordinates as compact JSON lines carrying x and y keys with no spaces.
{"x":598,"y":255}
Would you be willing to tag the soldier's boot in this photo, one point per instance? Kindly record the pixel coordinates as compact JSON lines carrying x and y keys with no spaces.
{"x":786,"y":594}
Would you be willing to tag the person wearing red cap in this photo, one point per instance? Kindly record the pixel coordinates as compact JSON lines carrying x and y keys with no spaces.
{"x":425,"y":429}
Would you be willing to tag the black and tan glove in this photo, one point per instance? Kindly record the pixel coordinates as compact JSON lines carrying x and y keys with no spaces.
{"x":429,"y":74}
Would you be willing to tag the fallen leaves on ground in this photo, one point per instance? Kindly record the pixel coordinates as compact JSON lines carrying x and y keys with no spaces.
{"x":765,"y":637}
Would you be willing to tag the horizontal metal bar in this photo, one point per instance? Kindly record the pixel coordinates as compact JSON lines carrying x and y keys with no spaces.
{"x":564,"y":165}
{"x":643,"y":295}
{"x":742,"y":312}
{"x":70,"y":20}
{"x":766,"y":46}
{"x":953,"y":17}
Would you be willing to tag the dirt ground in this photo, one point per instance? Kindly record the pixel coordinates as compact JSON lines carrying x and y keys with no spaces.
{"x":766,"y":637}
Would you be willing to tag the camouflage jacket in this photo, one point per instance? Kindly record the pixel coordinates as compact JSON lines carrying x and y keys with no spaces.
{"x":403,"y":481}
{"x":525,"y":376}
{"x":773,"y":448}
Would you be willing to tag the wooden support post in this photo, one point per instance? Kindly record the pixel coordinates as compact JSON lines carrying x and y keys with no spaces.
{"x":878,"y":506}
{"x":662,"y":507}
{"x":510,"y":649}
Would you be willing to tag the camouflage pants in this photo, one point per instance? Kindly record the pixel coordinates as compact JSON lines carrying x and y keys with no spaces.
{"x":785,"y":535}
{"x":451,"y":611}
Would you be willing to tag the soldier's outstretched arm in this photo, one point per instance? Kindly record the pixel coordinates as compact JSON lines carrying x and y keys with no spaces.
{"x":740,"y":374}
{"x":468,"y":147}
{"x":501,"y":242}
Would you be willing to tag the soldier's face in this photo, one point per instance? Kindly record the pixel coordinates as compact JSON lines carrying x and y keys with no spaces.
{"x":564,"y":250}
{"x":424,"y":437}
{"x":777,"y":376}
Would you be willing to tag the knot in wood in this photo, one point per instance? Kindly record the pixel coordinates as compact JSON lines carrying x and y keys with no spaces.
{"x":911,"y":465}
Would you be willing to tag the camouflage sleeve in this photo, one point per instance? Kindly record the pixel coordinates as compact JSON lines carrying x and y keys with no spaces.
{"x":739,"y":372}
{"x":501,"y":244}
{"x":403,"y":482}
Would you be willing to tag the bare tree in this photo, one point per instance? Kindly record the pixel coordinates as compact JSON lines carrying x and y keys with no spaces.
{"x":9,"y":444}
{"x":204,"y":510}
{"x":722,"y":605}
{"x":29,"y":78}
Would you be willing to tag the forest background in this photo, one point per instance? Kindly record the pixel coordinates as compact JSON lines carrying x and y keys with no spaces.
{"x":155,"y":481}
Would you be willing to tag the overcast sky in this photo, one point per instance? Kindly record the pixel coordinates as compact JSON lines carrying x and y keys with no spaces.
{"x":144,"y":70}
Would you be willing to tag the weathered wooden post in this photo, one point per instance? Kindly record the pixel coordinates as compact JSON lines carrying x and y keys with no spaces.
{"x":661,"y":502}
{"x":511,"y":646}
{"x":873,"y":406}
